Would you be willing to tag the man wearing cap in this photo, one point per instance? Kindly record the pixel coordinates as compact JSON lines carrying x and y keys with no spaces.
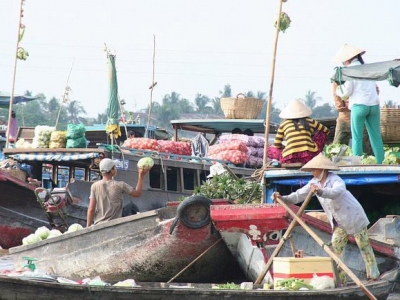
{"x":363,"y":103}
{"x":106,"y":195}
{"x":344,"y":212}
{"x":303,"y":136}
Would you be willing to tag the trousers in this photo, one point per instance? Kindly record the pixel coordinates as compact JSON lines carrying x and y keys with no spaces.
{"x":369,"y":116}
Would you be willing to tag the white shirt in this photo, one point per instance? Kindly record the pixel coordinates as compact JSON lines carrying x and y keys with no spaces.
{"x":337,"y":202}
{"x":358,"y":91}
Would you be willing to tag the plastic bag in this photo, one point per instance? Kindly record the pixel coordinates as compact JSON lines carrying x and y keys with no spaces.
{"x":200,"y":146}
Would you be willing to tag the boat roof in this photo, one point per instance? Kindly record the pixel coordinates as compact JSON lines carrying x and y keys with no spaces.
{"x":216,"y":126}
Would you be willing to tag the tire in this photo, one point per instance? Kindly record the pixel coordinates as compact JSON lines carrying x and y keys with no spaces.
{"x":194,"y":211}
{"x":129,"y":210}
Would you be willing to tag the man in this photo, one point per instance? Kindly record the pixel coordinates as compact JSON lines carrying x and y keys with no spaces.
{"x":106,"y":195}
{"x":13,"y":130}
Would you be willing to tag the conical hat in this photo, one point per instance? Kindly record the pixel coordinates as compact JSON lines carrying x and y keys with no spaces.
{"x":296,"y":109}
{"x":347,"y":52}
{"x":319,"y":162}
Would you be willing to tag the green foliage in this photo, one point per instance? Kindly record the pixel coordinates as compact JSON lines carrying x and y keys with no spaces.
{"x":229,"y":286}
{"x":224,"y":186}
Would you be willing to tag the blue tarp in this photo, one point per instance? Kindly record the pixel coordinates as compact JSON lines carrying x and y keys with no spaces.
{"x":58,"y":156}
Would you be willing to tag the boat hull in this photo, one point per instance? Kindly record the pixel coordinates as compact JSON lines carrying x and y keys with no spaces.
{"x":23,"y":290}
{"x":139,"y":247}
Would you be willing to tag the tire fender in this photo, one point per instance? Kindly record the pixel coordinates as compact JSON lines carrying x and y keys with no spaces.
{"x":192,"y":205}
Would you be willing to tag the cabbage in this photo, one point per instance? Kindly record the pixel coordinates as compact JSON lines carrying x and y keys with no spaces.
{"x":145,"y":163}
{"x":32,"y":238}
{"x":54,"y":233}
{"x":74,"y":227}
{"x":24,"y":241}
{"x":42,"y":232}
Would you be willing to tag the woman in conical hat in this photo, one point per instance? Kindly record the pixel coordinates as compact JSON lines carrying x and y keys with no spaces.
{"x":344,"y":212}
{"x":299,"y":137}
{"x":363,"y":103}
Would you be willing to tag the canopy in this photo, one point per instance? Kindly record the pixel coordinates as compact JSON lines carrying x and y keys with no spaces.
{"x":112,"y":126}
{"x":389,"y":70}
{"x":5,"y":99}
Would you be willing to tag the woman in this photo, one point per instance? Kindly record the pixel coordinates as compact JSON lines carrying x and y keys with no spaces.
{"x":303,"y":136}
{"x":344,"y":212}
{"x":363,"y":103}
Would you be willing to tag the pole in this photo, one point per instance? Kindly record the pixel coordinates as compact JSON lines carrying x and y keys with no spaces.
{"x":14,"y":74}
{"x":328,"y":250}
{"x":269,"y":100}
{"x":283,"y":239}
{"x":153,"y":84}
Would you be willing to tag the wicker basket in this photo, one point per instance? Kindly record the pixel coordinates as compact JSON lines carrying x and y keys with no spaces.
{"x":390,"y":124}
{"x":241,"y":107}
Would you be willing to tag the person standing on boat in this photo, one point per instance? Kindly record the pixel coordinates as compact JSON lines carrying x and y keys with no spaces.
{"x":106,"y":195}
{"x":13,"y":130}
{"x":363,"y":103}
{"x":344,"y":212}
{"x":299,"y":138}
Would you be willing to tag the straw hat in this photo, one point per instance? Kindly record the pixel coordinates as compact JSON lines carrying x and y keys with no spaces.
{"x":296,"y":109}
{"x":319,"y":162}
{"x":347,"y":52}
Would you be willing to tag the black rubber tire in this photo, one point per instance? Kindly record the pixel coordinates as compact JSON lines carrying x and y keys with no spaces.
{"x":189,"y":203}
{"x":130,"y":209}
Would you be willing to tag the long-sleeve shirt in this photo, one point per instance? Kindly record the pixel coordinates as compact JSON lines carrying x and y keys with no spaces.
{"x":359,"y":91}
{"x":297,"y":140}
{"x":337,"y":202}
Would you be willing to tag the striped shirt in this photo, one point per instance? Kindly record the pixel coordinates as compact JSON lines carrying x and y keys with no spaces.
{"x":298,"y":140}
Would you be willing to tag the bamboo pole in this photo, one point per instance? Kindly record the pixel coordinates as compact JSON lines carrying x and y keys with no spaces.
{"x":328,"y":250}
{"x":283,"y":239}
{"x":14,"y":74}
{"x":153,"y":84}
{"x":269,"y":100}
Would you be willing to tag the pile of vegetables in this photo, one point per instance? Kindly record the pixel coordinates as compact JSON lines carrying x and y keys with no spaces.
{"x":225,"y":186}
{"x":228,"y":286}
{"x":43,"y":233}
{"x":284,"y":22}
{"x":293,"y":284}
{"x":392,"y":154}
{"x":42,"y":136}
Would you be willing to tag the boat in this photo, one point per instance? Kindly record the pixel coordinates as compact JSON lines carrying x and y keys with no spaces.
{"x":17,"y":288}
{"x":149,"y":246}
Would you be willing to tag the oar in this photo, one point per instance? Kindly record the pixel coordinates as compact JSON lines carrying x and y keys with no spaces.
{"x":284,"y":238}
{"x":327,"y":249}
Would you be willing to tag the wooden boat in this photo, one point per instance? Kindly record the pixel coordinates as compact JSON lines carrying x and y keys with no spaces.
{"x":16,"y":288}
{"x":150,"y":246}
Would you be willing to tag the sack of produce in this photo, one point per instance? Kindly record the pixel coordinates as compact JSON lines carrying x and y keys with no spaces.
{"x":75,"y":131}
{"x":141,"y":143}
{"x":58,"y":139}
{"x":181,"y":148}
{"x":77,"y":143}
{"x":42,"y":136}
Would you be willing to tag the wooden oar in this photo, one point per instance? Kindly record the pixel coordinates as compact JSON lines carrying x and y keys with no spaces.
{"x":284,"y":238}
{"x":327,"y":249}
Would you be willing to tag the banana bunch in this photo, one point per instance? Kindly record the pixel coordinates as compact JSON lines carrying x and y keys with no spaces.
{"x":22,"y":54}
{"x":284,"y":22}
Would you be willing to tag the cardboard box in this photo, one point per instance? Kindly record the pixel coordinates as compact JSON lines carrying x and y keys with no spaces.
{"x":301,"y":268}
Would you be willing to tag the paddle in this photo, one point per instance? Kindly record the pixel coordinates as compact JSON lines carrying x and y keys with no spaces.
{"x":284,"y":238}
{"x":327,"y":249}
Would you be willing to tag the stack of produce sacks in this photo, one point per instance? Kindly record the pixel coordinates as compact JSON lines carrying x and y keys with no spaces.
{"x":254,"y":145}
{"x":58,"y":139}
{"x":76,"y":136}
{"x":42,"y":136}
{"x":230,"y":147}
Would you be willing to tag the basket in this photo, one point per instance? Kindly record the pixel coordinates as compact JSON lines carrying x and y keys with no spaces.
{"x":390,"y":124}
{"x":241,"y":107}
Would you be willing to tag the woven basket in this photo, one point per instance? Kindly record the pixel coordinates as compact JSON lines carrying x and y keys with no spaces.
{"x":390,"y":124}
{"x":241,"y":107}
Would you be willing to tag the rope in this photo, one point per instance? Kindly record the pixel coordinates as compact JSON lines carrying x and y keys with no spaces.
{"x":259,"y":173}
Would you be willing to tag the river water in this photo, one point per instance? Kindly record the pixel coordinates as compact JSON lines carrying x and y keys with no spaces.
{"x":6,"y":263}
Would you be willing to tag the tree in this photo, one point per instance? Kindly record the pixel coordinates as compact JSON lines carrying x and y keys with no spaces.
{"x":311,"y":100}
{"x":201,"y":102}
{"x":74,"y":110}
